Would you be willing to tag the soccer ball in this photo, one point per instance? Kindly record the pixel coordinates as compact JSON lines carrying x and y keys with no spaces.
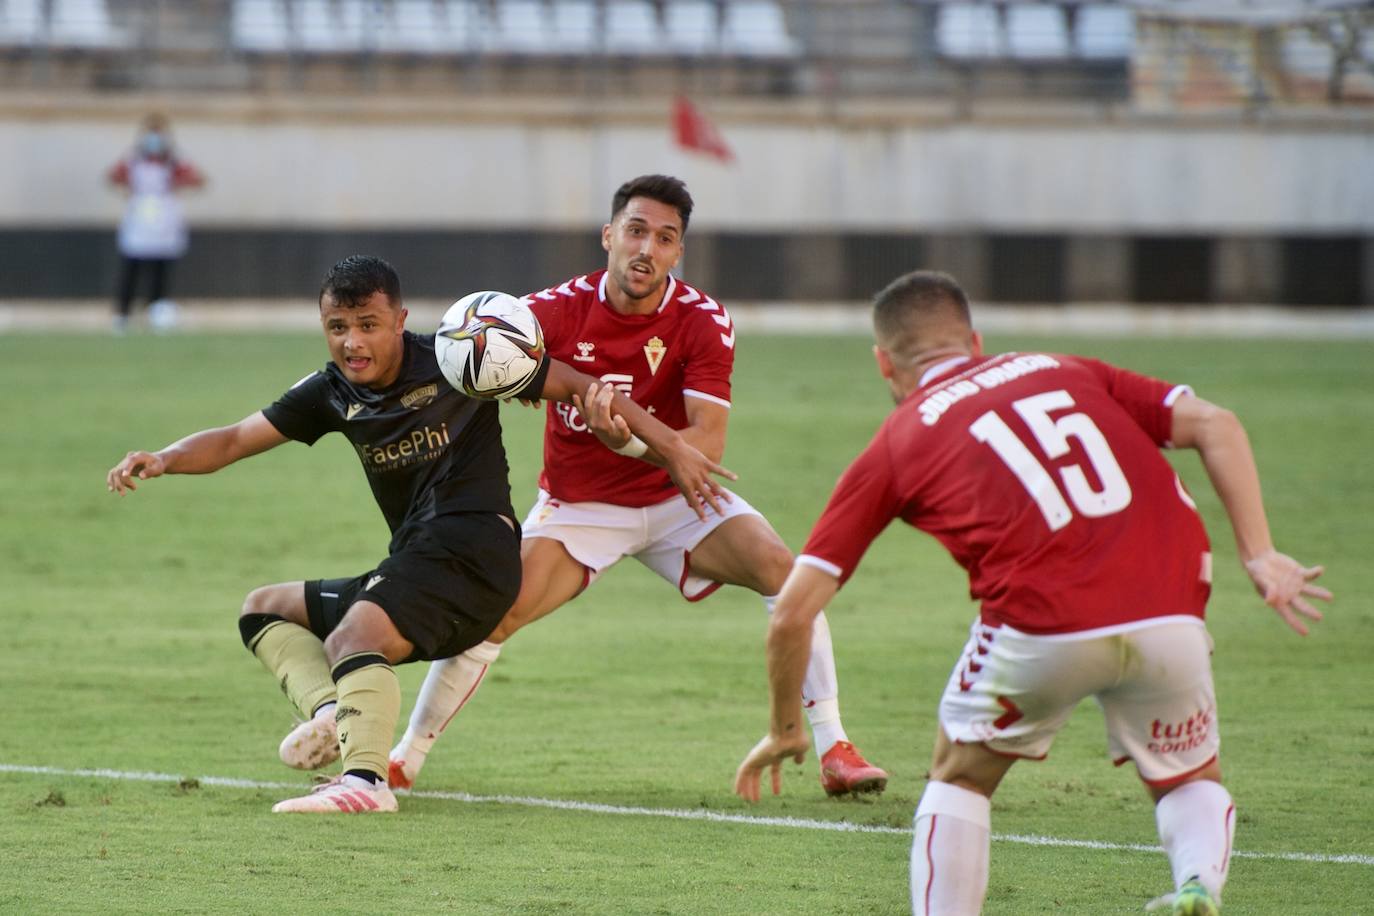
{"x":489,"y":345}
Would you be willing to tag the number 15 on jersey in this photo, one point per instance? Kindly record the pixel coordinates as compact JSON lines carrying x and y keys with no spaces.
{"x":1052,"y":435}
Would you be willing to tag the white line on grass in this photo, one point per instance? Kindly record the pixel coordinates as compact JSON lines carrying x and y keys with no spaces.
{"x":686,"y":814}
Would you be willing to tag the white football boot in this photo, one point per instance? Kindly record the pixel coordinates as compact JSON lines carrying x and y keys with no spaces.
{"x":342,"y":795}
{"x":313,"y":743}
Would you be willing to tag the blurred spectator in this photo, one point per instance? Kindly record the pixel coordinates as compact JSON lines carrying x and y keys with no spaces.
{"x":152,"y":233}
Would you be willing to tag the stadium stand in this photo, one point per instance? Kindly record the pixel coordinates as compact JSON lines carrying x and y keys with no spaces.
{"x":1104,"y":31}
{"x":692,"y":27}
{"x":260,"y":25}
{"x":632,"y":27}
{"x":21,"y":23}
{"x":756,"y":29}
{"x":83,"y":24}
{"x":575,"y":27}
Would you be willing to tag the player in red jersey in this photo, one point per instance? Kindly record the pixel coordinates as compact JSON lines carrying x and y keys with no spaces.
{"x":671,"y":348}
{"x":1042,"y":475}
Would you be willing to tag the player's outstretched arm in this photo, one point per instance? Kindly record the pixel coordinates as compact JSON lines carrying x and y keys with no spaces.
{"x":806,"y":591}
{"x":1217,"y":434}
{"x":199,"y":453}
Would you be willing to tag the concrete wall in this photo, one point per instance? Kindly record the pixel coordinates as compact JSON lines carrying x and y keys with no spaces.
{"x":1064,"y":205}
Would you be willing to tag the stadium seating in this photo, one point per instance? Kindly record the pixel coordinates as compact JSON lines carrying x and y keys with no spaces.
{"x":1104,"y":31}
{"x":692,"y":27}
{"x":522,"y":27}
{"x":574,"y":27}
{"x":412,"y":27}
{"x":260,"y":25}
{"x":1037,"y":31}
{"x":318,"y":28}
{"x":21,"y":22}
{"x":632,"y":27}
{"x":756,"y":29}
{"x":83,"y":24}
{"x":968,"y":30}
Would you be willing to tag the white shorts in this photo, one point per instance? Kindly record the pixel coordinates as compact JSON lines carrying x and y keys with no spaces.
{"x":661,"y":536}
{"x":1012,"y":692}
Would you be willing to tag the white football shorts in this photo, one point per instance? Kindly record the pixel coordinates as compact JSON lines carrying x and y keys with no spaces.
{"x":661,"y":536}
{"x":1013,"y":691}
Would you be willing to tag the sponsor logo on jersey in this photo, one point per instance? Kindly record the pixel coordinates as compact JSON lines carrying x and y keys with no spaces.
{"x":419,"y":397}
{"x":424,"y":444}
{"x":584,"y":352}
{"x":373,"y":581}
{"x":353,"y":411}
{"x":653,"y":352}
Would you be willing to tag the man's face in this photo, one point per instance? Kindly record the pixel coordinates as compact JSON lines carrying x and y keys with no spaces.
{"x":643,"y":243}
{"x":365,"y":341}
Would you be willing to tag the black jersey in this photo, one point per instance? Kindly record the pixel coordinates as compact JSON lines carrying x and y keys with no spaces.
{"x":427,"y":448}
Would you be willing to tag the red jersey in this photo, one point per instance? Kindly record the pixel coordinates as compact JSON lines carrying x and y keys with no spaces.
{"x":1042,"y":475}
{"x":685,"y":348}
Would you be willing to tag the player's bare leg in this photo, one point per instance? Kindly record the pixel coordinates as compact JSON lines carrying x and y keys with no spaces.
{"x":275,"y":627}
{"x":361,"y":651}
{"x":746,"y":551}
{"x":949,"y":855}
{"x":550,"y":579}
{"x":1197,"y":823}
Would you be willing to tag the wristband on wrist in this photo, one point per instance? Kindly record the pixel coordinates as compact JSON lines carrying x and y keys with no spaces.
{"x":632,"y":449}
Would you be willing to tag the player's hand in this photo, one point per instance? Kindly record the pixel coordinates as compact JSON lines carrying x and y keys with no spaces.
{"x":691,"y":471}
{"x":768,"y":754}
{"x":686,"y":465}
{"x":1285,"y":585}
{"x":135,"y":466}
{"x":610,"y":428}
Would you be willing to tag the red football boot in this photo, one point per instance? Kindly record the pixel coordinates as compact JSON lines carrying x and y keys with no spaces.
{"x":396,"y":775}
{"x":844,"y":771}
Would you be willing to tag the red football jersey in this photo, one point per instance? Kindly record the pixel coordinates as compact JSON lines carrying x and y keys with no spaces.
{"x":686,"y":348}
{"x":1042,"y":475}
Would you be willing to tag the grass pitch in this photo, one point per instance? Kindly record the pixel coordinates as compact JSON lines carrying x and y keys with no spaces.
{"x":121,"y":653}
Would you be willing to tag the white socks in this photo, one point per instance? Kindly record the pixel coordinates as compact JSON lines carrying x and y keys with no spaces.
{"x":949,"y":856}
{"x":1197,"y":822}
{"x":448,"y":685}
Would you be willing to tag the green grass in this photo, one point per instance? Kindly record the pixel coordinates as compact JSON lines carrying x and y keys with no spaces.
{"x":120,"y":651}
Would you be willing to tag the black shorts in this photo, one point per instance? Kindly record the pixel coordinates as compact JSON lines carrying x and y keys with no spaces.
{"x":445,"y":587}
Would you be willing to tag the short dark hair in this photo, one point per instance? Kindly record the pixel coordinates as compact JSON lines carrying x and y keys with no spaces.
{"x":352,"y":281}
{"x":919,"y":309}
{"x":663,"y":188}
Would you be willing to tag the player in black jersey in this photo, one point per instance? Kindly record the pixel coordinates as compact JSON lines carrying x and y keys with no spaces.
{"x":437,"y":468}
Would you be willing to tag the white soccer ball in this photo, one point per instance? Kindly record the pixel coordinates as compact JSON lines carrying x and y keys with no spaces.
{"x":489,"y":345}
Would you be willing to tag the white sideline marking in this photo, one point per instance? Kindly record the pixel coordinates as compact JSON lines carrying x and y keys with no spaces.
{"x":686,"y":814}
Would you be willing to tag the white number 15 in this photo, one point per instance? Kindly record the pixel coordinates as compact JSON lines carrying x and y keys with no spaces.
{"x":1053,"y":437}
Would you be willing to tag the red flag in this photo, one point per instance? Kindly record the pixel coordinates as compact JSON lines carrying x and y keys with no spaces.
{"x":694,"y":131}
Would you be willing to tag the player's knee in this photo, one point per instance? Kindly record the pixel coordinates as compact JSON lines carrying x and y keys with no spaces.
{"x":258,"y":602}
{"x":772,"y":566}
{"x":284,"y":601}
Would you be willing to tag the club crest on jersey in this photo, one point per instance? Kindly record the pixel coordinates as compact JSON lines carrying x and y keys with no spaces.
{"x":419,"y":397}
{"x":584,"y":351}
{"x":653,"y":352}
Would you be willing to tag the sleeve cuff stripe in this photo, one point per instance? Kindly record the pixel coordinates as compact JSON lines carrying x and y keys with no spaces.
{"x":693,"y":393}
{"x":824,"y":566}
{"x":1175,"y":393}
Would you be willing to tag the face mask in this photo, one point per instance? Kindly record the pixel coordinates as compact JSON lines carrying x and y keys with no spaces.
{"x":152,"y":145}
